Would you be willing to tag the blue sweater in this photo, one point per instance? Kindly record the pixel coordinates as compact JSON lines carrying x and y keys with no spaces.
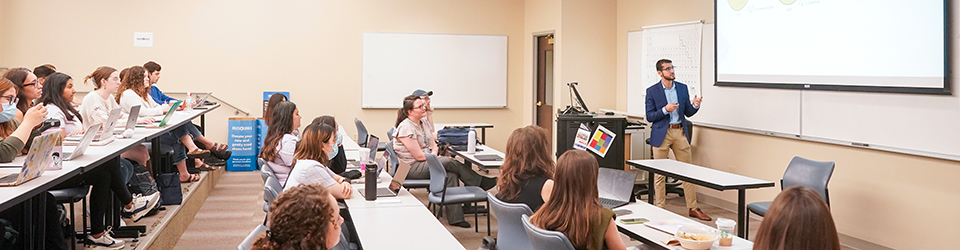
{"x":159,"y":97}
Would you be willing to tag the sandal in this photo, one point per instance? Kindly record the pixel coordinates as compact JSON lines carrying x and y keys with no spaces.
{"x":206,"y":167}
{"x":219,"y":147}
{"x":198,"y":153}
{"x":193,"y":178}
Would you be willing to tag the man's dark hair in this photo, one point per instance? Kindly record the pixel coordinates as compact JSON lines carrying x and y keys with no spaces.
{"x":151,"y":67}
{"x":659,"y":63}
{"x":43,"y":70}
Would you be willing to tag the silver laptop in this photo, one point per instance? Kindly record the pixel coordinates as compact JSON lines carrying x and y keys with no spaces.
{"x":35,"y":163}
{"x":199,"y":104}
{"x":84,"y":143}
{"x":615,"y":186}
{"x":131,"y":120}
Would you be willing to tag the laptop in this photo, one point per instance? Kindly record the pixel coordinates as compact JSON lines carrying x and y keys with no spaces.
{"x":402,"y":169}
{"x":373,"y":140}
{"x":488,"y":157}
{"x":84,"y":143}
{"x":615,"y":186}
{"x":105,"y":136}
{"x":202,"y":101}
{"x":35,"y":163}
{"x":166,"y":118}
{"x":131,"y":121}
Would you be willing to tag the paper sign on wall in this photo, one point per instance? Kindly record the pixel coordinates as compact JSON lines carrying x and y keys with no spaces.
{"x":142,"y":39}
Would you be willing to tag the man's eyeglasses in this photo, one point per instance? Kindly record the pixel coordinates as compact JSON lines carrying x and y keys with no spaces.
{"x":669,"y":68}
{"x":12,"y":99}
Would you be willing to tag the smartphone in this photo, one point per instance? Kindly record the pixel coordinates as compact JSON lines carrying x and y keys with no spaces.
{"x":634,"y":220}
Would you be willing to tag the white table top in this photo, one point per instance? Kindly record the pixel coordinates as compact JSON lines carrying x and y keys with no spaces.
{"x":703,"y":176}
{"x":404,"y":227}
{"x":653,"y":213}
{"x":485,"y":151}
{"x":404,"y":198}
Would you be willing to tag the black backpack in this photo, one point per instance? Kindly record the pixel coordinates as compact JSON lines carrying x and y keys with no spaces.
{"x":141,"y":182}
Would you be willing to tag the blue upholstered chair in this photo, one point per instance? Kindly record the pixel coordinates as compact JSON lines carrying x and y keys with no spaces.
{"x":542,"y":239}
{"x":441,"y":195}
{"x":510,"y":232}
{"x":800,"y":172}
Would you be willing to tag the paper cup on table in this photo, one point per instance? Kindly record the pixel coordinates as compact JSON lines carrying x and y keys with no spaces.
{"x":364,"y":155}
{"x":727,"y":229}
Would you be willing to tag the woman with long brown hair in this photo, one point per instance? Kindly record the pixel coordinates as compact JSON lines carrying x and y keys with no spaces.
{"x":311,"y":159}
{"x":527,"y":168}
{"x":574,"y":207}
{"x":275,"y":99}
{"x":797,"y":219}
{"x":282,"y":139}
{"x":134,"y":90}
{"x":304,"y":217}
{"x":29,"y":88}
{"x":13,"y":133}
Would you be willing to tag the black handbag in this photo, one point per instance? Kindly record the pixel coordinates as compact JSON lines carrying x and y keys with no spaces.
{"x":170,"y":192}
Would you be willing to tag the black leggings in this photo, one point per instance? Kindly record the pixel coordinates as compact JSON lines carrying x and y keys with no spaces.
{"x":104,"y":179}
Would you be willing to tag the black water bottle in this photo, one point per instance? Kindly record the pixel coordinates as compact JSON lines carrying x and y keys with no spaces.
{"x":370,"y":183}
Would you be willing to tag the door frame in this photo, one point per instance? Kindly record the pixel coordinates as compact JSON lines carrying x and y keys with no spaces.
{"x":533,"y":68}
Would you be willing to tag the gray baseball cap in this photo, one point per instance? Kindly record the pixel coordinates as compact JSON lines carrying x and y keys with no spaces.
{"x":420,"y":92}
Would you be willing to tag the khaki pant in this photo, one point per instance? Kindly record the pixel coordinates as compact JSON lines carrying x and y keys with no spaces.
{"x":676,"y":140}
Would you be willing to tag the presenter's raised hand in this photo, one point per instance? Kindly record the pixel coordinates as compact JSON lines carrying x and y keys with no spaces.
{"x":697,"y":100}
{"x":671,"y":107}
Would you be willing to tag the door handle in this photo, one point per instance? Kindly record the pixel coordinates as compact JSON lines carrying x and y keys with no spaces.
{"x":539,"y":103}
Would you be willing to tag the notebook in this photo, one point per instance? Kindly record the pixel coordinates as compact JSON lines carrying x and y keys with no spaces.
{"x":166,"y":118}
{"x":83,"y":144}
{"x":35,"y":163}
{"x":131,"y":121}
{"x":615,"y":186}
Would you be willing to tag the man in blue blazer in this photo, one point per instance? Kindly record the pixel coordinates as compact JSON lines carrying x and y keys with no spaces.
{"x":667,"y":106}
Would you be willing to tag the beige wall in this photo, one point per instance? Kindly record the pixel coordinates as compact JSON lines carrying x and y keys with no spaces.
{"x":240,"y":48}
{"x":894,"y":200}
{"x":589,"y":36}
{"x":540,"y":17}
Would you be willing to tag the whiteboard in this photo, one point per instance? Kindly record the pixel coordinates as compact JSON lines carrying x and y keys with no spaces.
{"x":924,"y":125}
{"x":464,"y":71}
{"x":678,"y":42}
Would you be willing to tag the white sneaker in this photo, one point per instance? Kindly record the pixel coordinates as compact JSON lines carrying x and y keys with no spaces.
{"x":142,"y":205}
{"x":104,"y":242}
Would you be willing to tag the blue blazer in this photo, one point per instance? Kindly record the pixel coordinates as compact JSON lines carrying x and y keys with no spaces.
{"x":655,"y":102}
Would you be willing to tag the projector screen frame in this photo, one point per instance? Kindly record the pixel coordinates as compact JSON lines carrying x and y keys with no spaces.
{"x":947,"y":69}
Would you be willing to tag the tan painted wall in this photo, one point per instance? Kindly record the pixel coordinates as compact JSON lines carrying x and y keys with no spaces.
{"x":241,"y":48}
{"x":589,"y":36}
{"x":540,"y":17}
{"x":890,"y":199}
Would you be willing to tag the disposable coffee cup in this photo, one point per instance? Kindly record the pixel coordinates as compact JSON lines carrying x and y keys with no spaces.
{"x":364,"y":155}
{"x":727,"y":229}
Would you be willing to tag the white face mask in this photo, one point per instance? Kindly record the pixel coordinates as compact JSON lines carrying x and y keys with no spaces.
{"x":336,"y":149}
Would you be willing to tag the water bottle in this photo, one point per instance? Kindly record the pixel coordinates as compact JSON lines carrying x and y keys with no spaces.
{"x":472,"y":141}
{"x":188,"y":103}
{"x":370,"y":182}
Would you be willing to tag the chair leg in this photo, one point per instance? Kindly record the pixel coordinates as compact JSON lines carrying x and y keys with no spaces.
{"x":488,"y":218}
{"x":85,"y":218}
{"x":476,"y":218}
{"x":746,"y":226}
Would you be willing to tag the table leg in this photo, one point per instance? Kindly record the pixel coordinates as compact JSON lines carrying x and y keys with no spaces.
{"x":203,"y":123}
{"x":483,"y":138}
{"x":650,"y":191}
{"x":742,"y":213}
{"x":155,"y":155}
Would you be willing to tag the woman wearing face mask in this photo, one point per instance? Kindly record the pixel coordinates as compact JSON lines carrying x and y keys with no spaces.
{"x":282,"y":139}
{"x":13,"y":132}
{"x":318,"y":141}
{"x":29,"y":89}
{"x":338,"y":160}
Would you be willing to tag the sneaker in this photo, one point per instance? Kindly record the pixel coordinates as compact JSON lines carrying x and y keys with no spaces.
{"x":104,"y":242}
{"x":142,"y":205}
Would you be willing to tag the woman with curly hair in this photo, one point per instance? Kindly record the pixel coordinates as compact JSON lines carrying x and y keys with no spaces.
{"x":527,"y":168}
{"x":304,"y":217}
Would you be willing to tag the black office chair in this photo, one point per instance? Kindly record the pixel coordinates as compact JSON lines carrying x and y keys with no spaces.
{"x":71,"y":196}
{"x":800,"y":172}
{"x":673,"y":185}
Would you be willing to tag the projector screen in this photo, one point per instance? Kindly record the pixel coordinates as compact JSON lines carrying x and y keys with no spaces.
{"x":852,"y":45}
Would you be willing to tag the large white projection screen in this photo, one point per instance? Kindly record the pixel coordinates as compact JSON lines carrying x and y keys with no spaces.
{"x":855,"y":45}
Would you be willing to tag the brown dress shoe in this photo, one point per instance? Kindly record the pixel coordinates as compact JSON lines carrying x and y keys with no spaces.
{"x":695,"y":212}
